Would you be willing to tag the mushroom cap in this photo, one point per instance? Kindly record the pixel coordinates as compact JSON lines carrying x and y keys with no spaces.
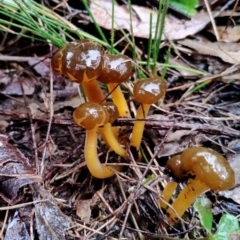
{"x":149,"y":90}
{"x":112,"y":111}
{"x":90,"y":115}
{"x":57,"y":62}
{"x":117,"y":69}
{"x":209,"y":167}
{"x":80,"y":60}
{"x":175,"y":165}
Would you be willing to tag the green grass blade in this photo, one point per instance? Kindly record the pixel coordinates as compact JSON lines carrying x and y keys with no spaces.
{"x":149,"y":43}
{"x":162,"y":11}
{"x":95,"y":23}
{"x":112,"y":29}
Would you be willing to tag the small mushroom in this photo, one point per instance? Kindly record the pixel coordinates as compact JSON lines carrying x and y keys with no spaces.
{"x":210,"y":170}
{"x":82,"y":62}
{"x":116,"y":69}
{"x":90,"y":116}
{"x":146,"y":92}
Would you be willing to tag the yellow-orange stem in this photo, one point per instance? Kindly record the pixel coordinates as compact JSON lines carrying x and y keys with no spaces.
{"x":95,"y":94}
{"x":96,"y":168}
{"x":187,"y":196}
{"x":119,"y":99}
{"x":113,"y":142}
{"x":138,"y":126}
{"x":93,"y":91}
{"x":167,"y":194}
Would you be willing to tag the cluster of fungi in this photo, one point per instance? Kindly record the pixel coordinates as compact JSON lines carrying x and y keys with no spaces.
{"x":85,"y":62}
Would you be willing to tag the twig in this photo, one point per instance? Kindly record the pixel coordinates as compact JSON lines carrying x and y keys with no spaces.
{"x":154,"y":124}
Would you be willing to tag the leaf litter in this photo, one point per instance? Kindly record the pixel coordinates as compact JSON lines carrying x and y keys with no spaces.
{"x":15,"y":172}
{"x":174,"y":29}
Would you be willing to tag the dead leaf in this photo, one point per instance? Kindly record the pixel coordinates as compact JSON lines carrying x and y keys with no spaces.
{"x":181,"y":142}
{"x":51,"y":147}
{"x":15,"y":172}
{"x":177,"y":135}
{"x":84,"y":206}
{"x":3,"y":125}
{"x":175,"y":141}
{"x":19,"y":85}
{"x":4,"y":78}
{"x":16,"y":229}
{"x":234,"y":193}
{"x":230,"y":34}
{"x":41,"y":67}
{"x":174,"y":29}
{"x":232,"y":78}
{"x":51,"y":223}
{"x":83,"y":209}
{"x":228,"y":52}
{"x":73,"y":102}
{"x":234,"y":145}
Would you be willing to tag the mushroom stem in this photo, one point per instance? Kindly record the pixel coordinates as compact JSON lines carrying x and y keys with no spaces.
{"x":93,"y":91}
{"x":187,"y":196}
{"x":138,"y":126}
{"x":96,"y":168}
{"x":95,"y":94}
{"x":118,"y":99}
{"x":113,"y":142}
{"x":167,"y":194}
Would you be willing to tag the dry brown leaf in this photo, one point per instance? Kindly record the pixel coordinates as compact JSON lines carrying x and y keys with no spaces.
{"x":73,"y":102}
{"x":51,"y":223}
{"x":234,"y":193}
{"x":16,"y":85}
{"x":231,"y":34}
{"x":176,"y":146}
{"x":83,"y":209}
{"x":228,"y":52}
{"x":3,"y":125}
{"x":174,"y":29}
{"x":41,"y":67}
{"x":15,"y":172}
{"x":231,"y":78}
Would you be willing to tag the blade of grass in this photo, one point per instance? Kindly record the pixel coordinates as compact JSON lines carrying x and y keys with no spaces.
{"x":164,"y":71}
{"x":174,"y":67}
{"x":149,"y":43}
{"x":95,"y":23}
{"x":162,"y":11}
{"x":26,"y":16}
{"x":112,"y":29}
{"x":130,"y":10}
{"x":199,"y":86}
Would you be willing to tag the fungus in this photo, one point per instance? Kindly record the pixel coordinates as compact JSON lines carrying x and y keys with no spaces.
{"x":90,"y":116}
{"x":167,"y":193}
{"x":82,"y":62}
{"x":108,"y":131}
{"x":116,"y":69}
{"x":175,"y":165}
{"x":211,"y":171}
{"x":146,"y":92}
